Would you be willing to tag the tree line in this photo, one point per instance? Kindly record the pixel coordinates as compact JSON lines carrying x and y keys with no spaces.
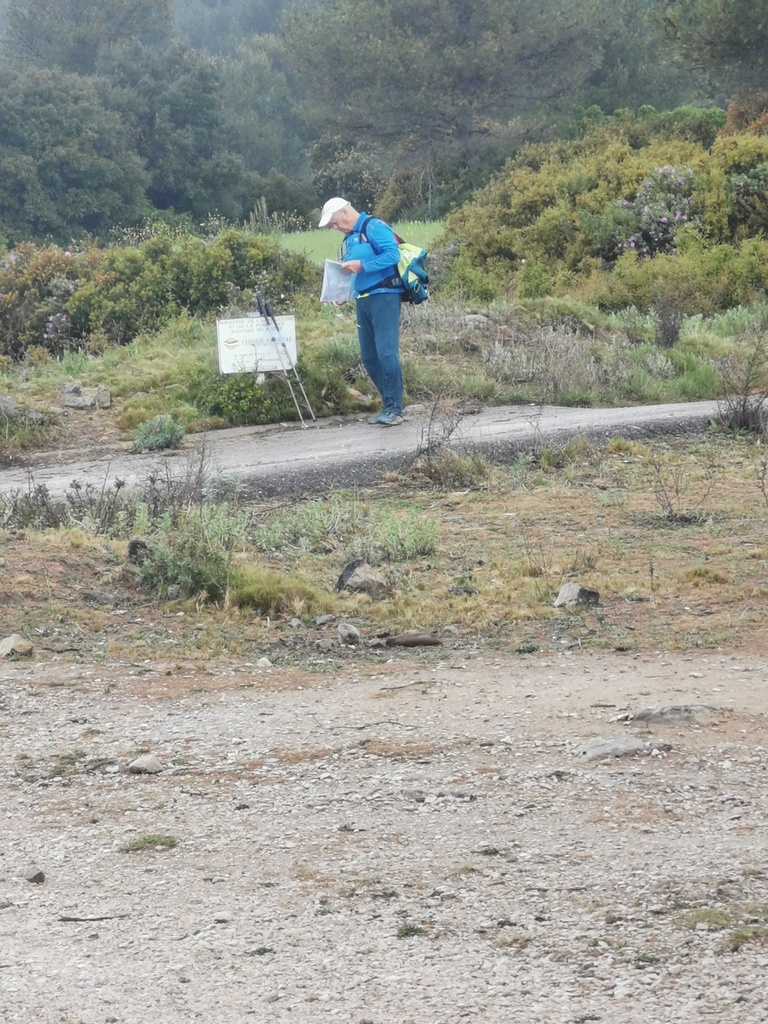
{"x":114,"y":111}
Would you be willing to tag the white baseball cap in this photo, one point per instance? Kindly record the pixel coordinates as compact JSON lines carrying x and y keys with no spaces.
{"x":331,"y":207}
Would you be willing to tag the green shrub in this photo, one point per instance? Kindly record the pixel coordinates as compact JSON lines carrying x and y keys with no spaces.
{"x":157,"y":434}
{"x":60,"y":300}
{"x":36,"y":285}
{"x":193,"y":554}
{"x":238,"y":398}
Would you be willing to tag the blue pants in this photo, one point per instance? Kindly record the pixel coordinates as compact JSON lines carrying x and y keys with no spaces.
{"x":378,"y":331}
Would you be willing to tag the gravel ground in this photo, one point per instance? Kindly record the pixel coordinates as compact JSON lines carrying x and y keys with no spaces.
{"x":416,"y":841}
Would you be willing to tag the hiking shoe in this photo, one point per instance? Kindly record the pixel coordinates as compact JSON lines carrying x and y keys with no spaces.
{"x":389,"y":418}
{"x":374,"y":418}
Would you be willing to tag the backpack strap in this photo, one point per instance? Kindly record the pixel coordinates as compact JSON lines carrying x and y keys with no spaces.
{"x":394,"y":280}
{"x":365,"y":238}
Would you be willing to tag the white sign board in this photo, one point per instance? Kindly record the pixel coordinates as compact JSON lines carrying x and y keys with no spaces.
{"x":253,"y":346}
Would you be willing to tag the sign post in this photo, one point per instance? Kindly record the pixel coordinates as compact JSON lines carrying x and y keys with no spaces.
{"x":261,"y":343}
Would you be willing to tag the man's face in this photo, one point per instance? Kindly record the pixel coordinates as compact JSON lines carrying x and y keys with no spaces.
{"x":344,"y":220}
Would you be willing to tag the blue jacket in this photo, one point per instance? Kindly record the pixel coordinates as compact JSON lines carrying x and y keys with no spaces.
{"x":378,"y":251}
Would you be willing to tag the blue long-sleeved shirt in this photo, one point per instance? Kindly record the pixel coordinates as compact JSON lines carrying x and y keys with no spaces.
{"x":378,"y":251}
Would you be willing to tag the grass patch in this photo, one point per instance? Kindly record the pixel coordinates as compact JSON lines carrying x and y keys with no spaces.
{"x":742,"y":924}
{"x":151,"y":841}
{"x":473,"y":566}
{"x":409,"y":930}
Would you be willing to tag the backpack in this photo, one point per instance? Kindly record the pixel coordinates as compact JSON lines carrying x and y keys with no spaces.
{"x":410,"y":267}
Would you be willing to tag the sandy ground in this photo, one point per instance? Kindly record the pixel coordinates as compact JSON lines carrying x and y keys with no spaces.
{"x":416,"y":841}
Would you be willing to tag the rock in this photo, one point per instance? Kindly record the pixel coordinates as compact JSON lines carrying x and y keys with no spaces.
{"x":263,"y":663}
{"x":347,"y":571}
{"x":147,"y":764}
{"x":475,"y":321}
{"x":223,"y":917}
{"x":103,"y":397}
{"x":597,"y":749}
{"x":349,"y":634}
{"x":323,"y":620}
{"x":413,"y":640}
{"x":16,"y":644}
{"x":8,"y":406}
{"x":573,"y":595}
{"x":34,"y":875}
{"x":361,"y":578}
{"x":678,"y":714}
{"x":74,"y":401}
{"x":138,"y":550}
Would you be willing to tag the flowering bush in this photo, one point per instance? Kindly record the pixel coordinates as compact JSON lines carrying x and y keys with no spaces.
{"x":35,"y":287}
{"x":662,"y":205}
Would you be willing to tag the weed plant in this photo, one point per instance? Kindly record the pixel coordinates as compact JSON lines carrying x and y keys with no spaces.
{"x":151,"y":841}
{"x":157,"y":434}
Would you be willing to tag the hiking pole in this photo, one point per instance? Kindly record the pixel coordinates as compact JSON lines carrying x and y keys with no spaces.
{"x":270,"y":314}
{"x":269,"y":320}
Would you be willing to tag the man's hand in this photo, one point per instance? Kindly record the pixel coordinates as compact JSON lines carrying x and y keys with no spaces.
{"x":352,"y":266}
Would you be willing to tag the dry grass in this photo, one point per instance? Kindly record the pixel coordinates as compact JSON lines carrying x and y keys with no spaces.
{"x":671,"y":533}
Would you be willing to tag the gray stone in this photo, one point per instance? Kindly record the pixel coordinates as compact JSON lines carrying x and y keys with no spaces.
{"x":323,"y":620}
{"x":364,"y":579}
{"x":147,"y":764}
{"x":75,"y":401}
{"x":573,"y":595}
{"x":597,"y":749}
{"x":475,"y":321}
{"x":678,"y":714}
{"x":103,"y":397}
{"x":34,"y":875}
{"x":16,"y":644}
{"x":8,"y":406}
{"x":349,"y":634}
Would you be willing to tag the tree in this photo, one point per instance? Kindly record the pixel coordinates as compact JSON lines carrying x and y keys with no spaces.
{"x":259,"y":109}
{"x":221,"y":26}
{"x":443,"y":74}
{"x":729,"y":38}
{"x":638,"y":67}
{"x":171,"y":102}
{"x":66,"y":162}
{"x":74,"y":34}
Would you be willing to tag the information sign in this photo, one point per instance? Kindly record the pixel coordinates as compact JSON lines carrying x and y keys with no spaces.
{"x":251,"y":345}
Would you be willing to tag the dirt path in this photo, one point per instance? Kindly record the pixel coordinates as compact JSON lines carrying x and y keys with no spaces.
{"x":343,"y":452}
{"x":415,"y":841}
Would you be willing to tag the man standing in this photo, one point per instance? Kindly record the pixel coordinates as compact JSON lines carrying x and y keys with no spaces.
{"x":370,"y":252}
